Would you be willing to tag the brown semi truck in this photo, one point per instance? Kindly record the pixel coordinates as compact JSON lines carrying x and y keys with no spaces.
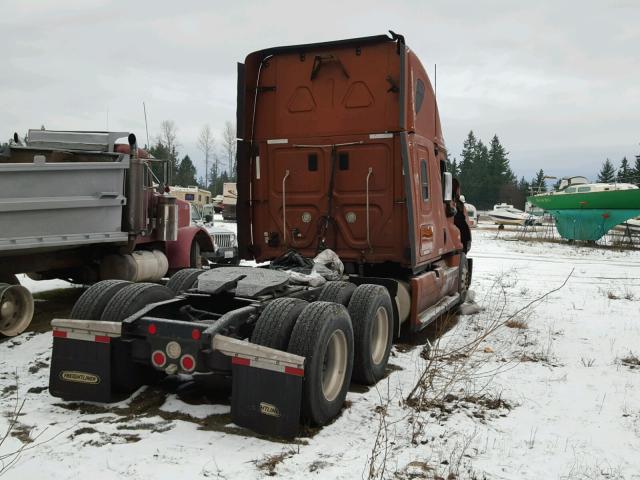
{"x":340,"y":160}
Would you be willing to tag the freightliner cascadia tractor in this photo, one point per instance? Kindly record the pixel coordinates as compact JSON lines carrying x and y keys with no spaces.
{"x":341,"y":176}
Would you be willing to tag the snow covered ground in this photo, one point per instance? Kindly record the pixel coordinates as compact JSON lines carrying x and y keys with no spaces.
{"x":558,"y":397}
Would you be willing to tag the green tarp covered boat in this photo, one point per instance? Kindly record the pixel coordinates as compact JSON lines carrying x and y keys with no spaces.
{"x":587,"y":211}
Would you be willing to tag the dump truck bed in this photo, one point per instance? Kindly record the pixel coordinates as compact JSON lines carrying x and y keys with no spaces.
{"x":52,"y":198}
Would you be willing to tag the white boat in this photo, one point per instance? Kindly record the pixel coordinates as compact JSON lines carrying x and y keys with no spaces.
{"x":505,"y":214}
{"x":472,"y":213}
{"x":630,"y":227}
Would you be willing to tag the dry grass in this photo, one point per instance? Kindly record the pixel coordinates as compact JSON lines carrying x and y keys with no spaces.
{"x":612,"y":296}
{"x":441,"y":376}
{"x":270,"y":462}
{"x":588,"y":362}
{"x":631,"y":360}
{"x":517,"y":323}
{"x":27,"y":435}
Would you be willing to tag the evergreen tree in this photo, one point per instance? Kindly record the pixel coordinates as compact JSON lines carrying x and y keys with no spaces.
{"x":485,"y":174}
{"x":539,"y":184}
{"x":523,"y":190}
{"x":186,"y":175}
{"x":160,"y":152}
{"x":624,"y":172}
{"x":607,"y":173}
{"x":499,"y":174}
{"x":636,"y":171}
{"x":455,"y":169}
{"x":213,"y":177}
{"x":466,"y":163}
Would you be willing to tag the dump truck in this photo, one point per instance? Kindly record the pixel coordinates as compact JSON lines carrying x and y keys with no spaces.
{"x":82,"y":207}
{"x":345,"y":202}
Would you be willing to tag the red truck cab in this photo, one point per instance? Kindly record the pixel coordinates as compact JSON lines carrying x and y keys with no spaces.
{"x":341,"y":147}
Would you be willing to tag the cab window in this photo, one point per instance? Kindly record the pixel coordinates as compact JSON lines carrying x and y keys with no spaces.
{"x":424,"y":181}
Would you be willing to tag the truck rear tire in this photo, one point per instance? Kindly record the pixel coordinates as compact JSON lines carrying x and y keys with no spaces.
{"x":183,"y":280}
{"x":92,"y":302}
{"x":132,"y":298}
{"x":274,"y":326}
{"x":463,"y":279}
{"x":372,"y":318}
{"x":338,"y":292}
{"x":324,"y":336}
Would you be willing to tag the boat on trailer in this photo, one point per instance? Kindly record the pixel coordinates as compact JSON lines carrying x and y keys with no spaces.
{"x":587,"y":211}
{"x":506,"y":214}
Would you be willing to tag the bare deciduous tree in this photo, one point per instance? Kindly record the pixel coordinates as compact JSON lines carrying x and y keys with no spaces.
{"x":206,"y":144}
{"x":229,"y":146}
{"x":168,"y":138}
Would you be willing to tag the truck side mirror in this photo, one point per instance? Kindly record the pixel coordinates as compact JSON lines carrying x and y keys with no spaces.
{"x":447,"y":186}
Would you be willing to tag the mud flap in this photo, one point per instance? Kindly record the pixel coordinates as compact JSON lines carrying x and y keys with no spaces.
{"x":266,"y":392}
{"x":266,"y":401}
{"x":91,"y":361}
{"x":80,"y":370}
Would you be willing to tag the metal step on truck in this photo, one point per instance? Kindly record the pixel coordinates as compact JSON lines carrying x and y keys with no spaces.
{"x":343,"y":190}
{"x":84,"y":207}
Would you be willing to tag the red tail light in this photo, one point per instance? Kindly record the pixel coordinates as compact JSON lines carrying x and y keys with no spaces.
{"x":196,"y":334}
{"x":188,"y":363}
{"x":152,"y":329}
{"x":158,"y":358}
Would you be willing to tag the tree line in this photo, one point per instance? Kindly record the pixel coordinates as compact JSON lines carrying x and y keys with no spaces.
{"x":624,"y":174}
{"x":484,"y":172}
{"x":486,"y":177}
{"x":219,"y":157}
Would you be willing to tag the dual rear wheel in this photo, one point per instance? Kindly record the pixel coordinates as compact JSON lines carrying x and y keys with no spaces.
{"x":344,"y":335}
{"x":115,"y":300}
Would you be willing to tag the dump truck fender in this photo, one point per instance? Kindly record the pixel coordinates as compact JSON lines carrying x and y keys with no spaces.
{"x":178,"y":252}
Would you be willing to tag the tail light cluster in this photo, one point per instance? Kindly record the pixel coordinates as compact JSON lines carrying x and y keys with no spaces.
{"x":172,"y":353}
{"x":188,"y":363}
{"x":159,"y":360}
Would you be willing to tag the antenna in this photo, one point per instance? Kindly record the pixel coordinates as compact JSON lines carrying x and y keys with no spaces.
{"x":146,"y":125}
{"x":107,"y":119}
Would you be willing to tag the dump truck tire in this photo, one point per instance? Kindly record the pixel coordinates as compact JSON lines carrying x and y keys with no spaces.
{"x":274,"y":326}
{"x":132,"y":298}
{"x":16,"y":309}
{"x":183,"y":280}
{"x":338,"y":292}
{"x":92,"y":302}
{"x":324,"y":336}
{"x":372,"y":318}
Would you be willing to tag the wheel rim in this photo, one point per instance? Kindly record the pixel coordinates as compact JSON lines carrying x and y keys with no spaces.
{"x":334,"y":365}
{"x":379,"y":336}
{"x":16,"y":309}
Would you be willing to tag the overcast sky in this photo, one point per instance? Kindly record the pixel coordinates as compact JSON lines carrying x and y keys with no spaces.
{"x":558,"y":81}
